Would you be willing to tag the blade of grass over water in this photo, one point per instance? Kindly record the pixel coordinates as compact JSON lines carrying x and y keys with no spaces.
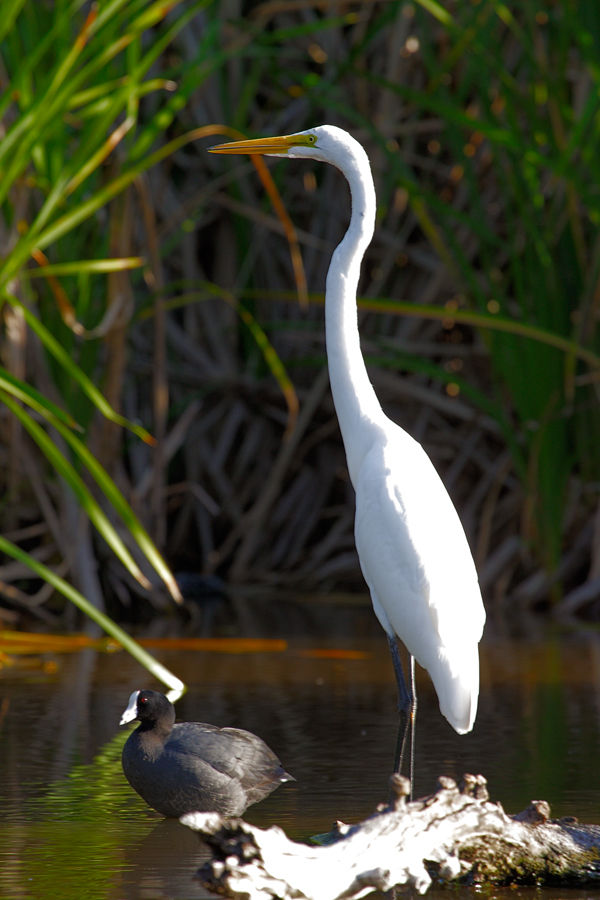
{"x":145,"y":659}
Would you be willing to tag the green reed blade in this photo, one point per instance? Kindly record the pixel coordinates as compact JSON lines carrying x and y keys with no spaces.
{"x":84,"y":497}
{"x":142,"y":656}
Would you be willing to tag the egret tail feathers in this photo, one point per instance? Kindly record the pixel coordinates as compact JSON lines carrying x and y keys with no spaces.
{"x":456,"y":679}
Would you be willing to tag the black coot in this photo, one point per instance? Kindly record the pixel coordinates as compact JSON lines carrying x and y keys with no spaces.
{"x":192,"y":766}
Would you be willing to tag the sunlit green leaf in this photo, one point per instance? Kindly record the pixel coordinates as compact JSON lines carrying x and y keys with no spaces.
{"x":84,"y":497}
{"x":142,"y":656}
{"x":86,"y":384}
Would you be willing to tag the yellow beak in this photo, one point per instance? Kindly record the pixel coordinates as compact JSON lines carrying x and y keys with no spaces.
{"x":261,"y":146}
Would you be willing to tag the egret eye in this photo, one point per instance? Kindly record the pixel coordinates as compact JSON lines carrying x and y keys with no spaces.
{"x":312,"y":139}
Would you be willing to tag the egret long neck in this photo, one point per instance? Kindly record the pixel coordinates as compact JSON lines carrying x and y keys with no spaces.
{"x":357,"y":407}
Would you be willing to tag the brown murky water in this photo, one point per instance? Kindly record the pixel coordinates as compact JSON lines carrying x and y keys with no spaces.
{"x":70,"y":826}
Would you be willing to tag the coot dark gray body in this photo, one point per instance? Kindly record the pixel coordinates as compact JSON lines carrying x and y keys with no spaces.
{"x":192,"y":766}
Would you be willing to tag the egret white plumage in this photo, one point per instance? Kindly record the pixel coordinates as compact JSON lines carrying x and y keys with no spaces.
{"x":412,"y":547}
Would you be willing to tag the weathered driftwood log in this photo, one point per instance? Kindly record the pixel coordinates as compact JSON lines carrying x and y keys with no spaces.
{"x":452,"y":834}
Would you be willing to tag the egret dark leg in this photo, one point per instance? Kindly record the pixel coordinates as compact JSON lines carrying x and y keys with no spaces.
{"x":407,"y":709}
{"x":413,"y":720}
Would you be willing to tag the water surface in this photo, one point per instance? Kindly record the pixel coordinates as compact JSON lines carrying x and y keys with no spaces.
{"x":71,"y":827}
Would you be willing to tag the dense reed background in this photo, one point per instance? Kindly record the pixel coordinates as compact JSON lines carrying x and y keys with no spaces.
{"x":479,"y":295}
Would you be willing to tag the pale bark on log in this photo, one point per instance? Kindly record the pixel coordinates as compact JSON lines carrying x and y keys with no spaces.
{"x":452,"y":834}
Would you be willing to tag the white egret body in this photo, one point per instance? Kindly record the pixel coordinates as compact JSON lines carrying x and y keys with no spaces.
{"x":412,"y":547}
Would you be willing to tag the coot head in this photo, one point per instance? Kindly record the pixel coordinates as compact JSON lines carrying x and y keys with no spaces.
{"x":151,"y":708}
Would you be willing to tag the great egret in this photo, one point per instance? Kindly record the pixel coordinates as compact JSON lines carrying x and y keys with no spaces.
{"x":411,"y":544}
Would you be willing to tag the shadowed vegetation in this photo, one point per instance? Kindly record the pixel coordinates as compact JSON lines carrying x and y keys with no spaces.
{"x":136,"y":264}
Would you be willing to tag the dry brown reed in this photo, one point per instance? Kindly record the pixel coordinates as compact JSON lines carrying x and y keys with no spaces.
{"x":226,"y":491}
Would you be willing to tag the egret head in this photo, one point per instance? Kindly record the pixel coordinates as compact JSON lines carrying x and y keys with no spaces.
{"x":325,"y":142}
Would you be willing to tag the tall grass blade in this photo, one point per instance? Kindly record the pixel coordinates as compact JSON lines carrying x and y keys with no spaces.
{"x":84,"y":497}
{"x":142,"y":656}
